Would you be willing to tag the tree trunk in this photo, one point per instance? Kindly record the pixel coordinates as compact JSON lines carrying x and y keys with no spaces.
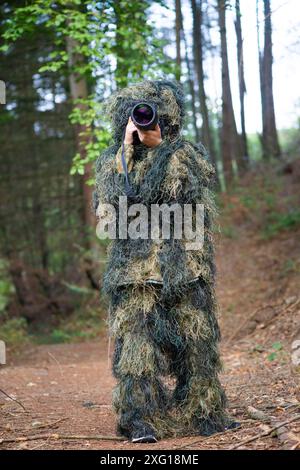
{"x":270,"y":141}
{"x":178,"y":38}
{"x":121,"y":72}
{"x":79,"y":90}
{"x":230,"y":144}
{"x":198,"y":60}
{"x":191,"y":82}
{"x":242,"y":86}
{"x":262,"y":96}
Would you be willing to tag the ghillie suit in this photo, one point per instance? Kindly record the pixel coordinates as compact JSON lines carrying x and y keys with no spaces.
{"x":162,"y":303}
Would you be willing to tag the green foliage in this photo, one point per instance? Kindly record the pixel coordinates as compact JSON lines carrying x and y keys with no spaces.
{"x":86,"y":115}
{"x":277,"y":222}
{"x":291,"y":266}
{"x":273,"y":353}
{"x":264,"y":201}
{"x":88,"y":35}
{"x":277,"y":346}
{"x":60,"y":336}
{"x":258,"y":348}
{"x":261,"y":194}
{"x":6,"y":286}
{"x":289,"y":140}
{"x":254,"y":147}
{"x":14,"y":332}
{"x":229,"y":231}
{"x":85,"y":324}
{"x":77,"y":20}
{"x":275,"y":349}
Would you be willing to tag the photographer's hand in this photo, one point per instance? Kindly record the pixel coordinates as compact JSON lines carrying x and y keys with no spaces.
{"x":130,"y":128}
{"x":150,"y":138}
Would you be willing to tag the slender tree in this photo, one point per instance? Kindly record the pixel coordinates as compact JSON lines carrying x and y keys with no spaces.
{"x":190,"y":81}
{"x":178,"y":23}
{"x":262,"y":97}
{"x":242,"y":85}
{"x":198,"y":61}
{"x":230,"y":146}
{"x":270,"y":143}
{"x":79,"y":93}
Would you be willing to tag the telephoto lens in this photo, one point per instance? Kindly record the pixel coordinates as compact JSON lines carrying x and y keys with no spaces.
{"x":144,"y":116}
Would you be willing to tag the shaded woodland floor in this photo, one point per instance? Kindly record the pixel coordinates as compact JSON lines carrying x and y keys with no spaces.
{"x":66,"y":388}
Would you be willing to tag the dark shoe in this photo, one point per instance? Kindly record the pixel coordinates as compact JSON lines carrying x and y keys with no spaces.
{"x":143,"y":433}
{"x":210,"y":426}
{"x":148,"y":438}
{"x":233,"y":425}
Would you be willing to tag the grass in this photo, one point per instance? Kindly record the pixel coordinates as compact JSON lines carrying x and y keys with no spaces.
{"x":277,"y":222}
{"x":229,"y":231}
{"x":277,"y":353}
{"x":14,"y":332}
{"x":264,"y":201}
{"x":291,"y":266}
{"x":85,"y":324}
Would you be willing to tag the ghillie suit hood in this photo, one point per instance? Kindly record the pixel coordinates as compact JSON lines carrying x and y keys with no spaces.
{"x":176,"y":171}
{"x":167,"y":96}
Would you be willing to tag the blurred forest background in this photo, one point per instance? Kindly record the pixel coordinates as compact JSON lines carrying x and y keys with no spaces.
{"x":59,"y":61}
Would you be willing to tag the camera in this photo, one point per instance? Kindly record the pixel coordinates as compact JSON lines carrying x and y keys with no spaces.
{"x":144,"y":115}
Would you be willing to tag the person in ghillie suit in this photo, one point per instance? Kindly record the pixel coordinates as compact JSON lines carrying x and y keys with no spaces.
{"x":163,"y":308}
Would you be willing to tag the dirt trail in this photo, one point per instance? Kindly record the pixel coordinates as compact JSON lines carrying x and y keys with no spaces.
{"x":66,"y":388}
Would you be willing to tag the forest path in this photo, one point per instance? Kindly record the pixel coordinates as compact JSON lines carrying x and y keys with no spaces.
{"x":66,"y":388}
